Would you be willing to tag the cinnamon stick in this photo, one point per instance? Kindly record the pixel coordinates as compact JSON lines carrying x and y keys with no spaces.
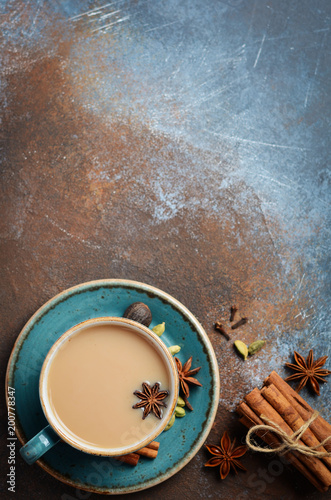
{"x":261,"y":406}
{"x":154,"y":445}
{"x":250,"y":419}
{"x":147,"y":452}
{"x":130,"y":459}
{"x":293,"y":419}
{"x":320,"y":427}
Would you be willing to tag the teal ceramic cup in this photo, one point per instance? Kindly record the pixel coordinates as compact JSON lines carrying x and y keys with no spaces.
{"x":57,"y":431}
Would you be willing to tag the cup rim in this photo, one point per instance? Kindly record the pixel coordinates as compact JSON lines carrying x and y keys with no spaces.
{"x":93,"y":449}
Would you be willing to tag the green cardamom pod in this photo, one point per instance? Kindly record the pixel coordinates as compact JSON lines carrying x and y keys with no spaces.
{"x":179,"y":412}
{"x":159,"y":329}
{"x":254,"y":347}
{"x":180,"y":402}
{"x":174,"y":349}
{"x":171,"y":422}
{"x":241,"y":348}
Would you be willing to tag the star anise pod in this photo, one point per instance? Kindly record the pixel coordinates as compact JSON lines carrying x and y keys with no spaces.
{"x":151,"y":399}
{"x":226,"y":456}
{"x":308,"y":370}
{"x":185,"y":378}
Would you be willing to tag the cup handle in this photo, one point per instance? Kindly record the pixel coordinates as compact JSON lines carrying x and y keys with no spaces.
{"x":39,"y":444}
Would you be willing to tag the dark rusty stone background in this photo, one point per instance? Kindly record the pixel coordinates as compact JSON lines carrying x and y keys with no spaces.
{"x":185,"y":145}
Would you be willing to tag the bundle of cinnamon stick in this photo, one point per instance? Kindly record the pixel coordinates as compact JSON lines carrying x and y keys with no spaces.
{"x":150,"y":451}
{"x":282,"y":405}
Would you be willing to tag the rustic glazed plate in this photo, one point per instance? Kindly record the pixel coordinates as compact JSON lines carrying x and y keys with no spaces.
{"x":110,"y":298}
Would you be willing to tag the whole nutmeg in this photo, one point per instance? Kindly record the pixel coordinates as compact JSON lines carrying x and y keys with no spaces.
{"x":138,"y":311}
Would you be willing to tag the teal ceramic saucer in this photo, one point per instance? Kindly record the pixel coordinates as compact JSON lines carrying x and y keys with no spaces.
{"x":110,"y":298}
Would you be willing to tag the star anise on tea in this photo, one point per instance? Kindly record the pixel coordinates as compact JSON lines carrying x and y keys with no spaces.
{"x":308,"y":371}
{"x":185,"y":378}
{"x":226,"y":456}
{"x":151,"y":399}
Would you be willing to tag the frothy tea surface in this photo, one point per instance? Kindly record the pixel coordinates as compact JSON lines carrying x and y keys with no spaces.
{"x":91,"y":383}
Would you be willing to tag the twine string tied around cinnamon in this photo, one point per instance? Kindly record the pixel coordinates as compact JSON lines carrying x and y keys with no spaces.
{"x":288,"y":442}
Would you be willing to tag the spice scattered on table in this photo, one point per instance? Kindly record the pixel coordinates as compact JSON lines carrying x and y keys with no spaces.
{"x":297,"y":431}
{"x":151,"y":399}
{"x":174,"y":349}
{"x":180,"y":402}
{"x":226,"y":456}
{"x":179,"y":411}
{"x":140,"y":312}
{"x":149,"y":451}
{"x":308,"y":371}
{"x":159,"y":329}
{"x":239,"y":323}
{"x":252,"y":349}
{"x":186,"y":378}
{"x":220,"y":328}
{"x":171,"y":422}
{"x":255,"y":347}
{"x":241,"y":348}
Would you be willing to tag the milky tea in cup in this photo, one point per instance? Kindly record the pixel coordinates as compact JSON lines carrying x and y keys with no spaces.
{"x":88,"y":382}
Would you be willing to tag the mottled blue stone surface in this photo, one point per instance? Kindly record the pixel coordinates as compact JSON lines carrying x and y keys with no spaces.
{"x":183,"y":144}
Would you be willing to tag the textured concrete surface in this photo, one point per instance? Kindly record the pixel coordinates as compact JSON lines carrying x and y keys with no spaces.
{"x":183,"y":144}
